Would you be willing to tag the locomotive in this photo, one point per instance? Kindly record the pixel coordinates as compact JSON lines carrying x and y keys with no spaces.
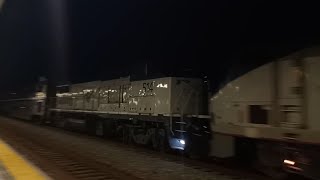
{"x":163,"y":113}
{"x":270,"y":115}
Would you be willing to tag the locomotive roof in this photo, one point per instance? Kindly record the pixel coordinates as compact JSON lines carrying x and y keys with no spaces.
{"x":120,"y":80}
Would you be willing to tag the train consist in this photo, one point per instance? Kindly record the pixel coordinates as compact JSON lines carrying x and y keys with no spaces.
{"x":268,"y":116}
{"x":163,"y":112}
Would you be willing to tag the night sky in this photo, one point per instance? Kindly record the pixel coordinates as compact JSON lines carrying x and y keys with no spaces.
{"x":84,"y":40}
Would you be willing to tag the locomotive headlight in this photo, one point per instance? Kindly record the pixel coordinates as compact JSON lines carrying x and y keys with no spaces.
{"x":182,"y":141}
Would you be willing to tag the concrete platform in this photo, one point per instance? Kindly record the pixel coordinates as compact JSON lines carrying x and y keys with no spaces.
{"x":15,"y":166}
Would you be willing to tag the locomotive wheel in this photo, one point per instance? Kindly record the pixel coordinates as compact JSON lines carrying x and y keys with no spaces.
{"x":62,"y":123}
{"x":159,"y":142}
{"x":109,"y":129}
{"x":91,"y":127}
{"x":99,"y":128}
{"x":126,"y":137}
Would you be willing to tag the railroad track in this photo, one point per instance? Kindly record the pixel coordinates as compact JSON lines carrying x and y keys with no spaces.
{"x":58,"y":162}
{"x":209,"y":165}
{"x":87,"y":157}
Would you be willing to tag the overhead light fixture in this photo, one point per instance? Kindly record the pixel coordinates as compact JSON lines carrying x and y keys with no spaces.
{"x":289,"y":162}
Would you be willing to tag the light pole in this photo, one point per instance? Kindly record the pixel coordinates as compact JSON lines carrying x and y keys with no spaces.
{"x":1,"y":3}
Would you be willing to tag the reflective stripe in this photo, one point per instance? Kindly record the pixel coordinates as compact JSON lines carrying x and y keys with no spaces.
{"x":17,"y":166}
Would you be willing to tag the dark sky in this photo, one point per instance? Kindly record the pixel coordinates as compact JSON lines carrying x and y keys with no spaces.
{"x":83,"y":40}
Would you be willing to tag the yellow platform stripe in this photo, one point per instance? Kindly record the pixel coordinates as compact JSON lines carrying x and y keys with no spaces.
{"x":17,"y":166}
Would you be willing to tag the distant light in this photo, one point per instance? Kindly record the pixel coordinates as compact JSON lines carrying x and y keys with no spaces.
{"x":1,"y":3}
{"x":13,"y":93}
{"x":40,"y":95}
{"x":289,"y":162}
{"x":182,"y":141}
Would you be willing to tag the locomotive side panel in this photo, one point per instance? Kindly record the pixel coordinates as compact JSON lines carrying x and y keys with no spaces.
{"x":150,"y":96}
{"x":113,"y":95}
{"x":63,"y":99}
{"x":187,"y":96}
{"x":85,"y":95}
